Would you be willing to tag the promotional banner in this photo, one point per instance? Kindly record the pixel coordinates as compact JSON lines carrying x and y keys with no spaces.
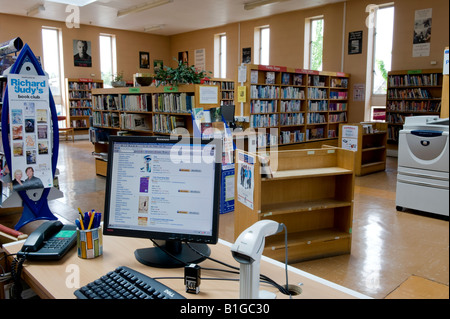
{"x":30,"y":131}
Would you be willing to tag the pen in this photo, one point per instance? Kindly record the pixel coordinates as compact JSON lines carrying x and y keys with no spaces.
{"x":92,"y":219}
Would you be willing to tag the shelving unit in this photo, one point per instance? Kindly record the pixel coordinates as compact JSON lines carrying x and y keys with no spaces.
{"x":79,"y":101}
{"x":311,"y":192}
{"x":146,"y":110}
{"x":296,"y":105}
{"x":411,"y":93}
{"x":226,"y":90}
{"x":368,"y":140}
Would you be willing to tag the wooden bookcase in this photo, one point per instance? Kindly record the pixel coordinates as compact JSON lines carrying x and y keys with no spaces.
{"x":311,"y":192}
{"x":411,"y":93}
{"x":226,"y":90}
{"x":79,"y":101}
{"x":295,"y":105}
{"x":368,"y":140}
{"x":145,"y":110}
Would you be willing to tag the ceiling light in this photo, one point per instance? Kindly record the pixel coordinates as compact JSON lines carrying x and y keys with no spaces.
{"x":35,"y":10}
{"x":143,"y":7}
{"x":259,"y":3}
{"x":79,"y":3}
{"x":154,"y":28}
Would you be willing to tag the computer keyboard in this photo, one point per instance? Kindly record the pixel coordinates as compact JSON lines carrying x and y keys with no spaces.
{"x":126,"y":283}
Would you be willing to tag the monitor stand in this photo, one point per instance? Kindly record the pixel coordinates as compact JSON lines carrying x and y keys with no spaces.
{"x":157,"y":257}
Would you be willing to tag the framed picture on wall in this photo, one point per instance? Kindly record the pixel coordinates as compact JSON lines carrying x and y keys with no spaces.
{"x":82,"y":53}
{"x":183,"y":56}
{"x":144,"y":60}
{"x":157,"y":65}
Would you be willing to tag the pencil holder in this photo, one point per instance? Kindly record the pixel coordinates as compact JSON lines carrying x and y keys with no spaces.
{"x":90,"y":243}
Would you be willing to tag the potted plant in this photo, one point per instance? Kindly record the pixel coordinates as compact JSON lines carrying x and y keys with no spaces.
{"x":182,"y":74}
{"x":118,"y":80}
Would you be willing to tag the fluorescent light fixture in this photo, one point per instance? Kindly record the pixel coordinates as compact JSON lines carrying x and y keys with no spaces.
{"x":260,"y":3}
{"x":143,"y":7}
{"x":154,"y":28}
{"x":79,"y":3}
{"x":35,"y":10}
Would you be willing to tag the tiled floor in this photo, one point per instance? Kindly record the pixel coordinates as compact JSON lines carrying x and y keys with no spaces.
{"x":387,"y":246}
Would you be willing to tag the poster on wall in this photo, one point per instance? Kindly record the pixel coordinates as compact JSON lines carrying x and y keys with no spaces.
{"x":245,"y":179}
{"x":144,"y":60}
{"x":349,"y":139}
{"x":246,"y":55}
{"x":30,"y":131}
{"x":355,"y":42}
{"x":82,"y":53}
{"x":422,"y":33}
{"x":200,"y":59}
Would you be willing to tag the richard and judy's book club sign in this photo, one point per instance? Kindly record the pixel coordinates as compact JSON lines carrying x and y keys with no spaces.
{"x":30,"y":131}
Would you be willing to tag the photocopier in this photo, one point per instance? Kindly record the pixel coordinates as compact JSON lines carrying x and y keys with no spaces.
{"x":423,"y":165}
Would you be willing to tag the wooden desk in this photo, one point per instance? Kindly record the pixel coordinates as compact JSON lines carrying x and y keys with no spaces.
{"x":58,"y":279}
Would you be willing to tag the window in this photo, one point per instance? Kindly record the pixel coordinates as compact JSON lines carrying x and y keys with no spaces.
{"x":314,"y":43}
{"x":220,"y":56}
{"x":107,"y":58}
{"x":381,"y":27}
{"x":52,"y":62}
{"x":262,"y":45}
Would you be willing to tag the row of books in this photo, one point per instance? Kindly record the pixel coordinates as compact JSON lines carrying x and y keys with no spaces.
{"x":394,"y":118}
{"x":292,"y":119}
{"x":80,"y":103}
{"x":97,"y":135}
{"x":106,"y":119}
{"x":84,"y":85}
{"x":290,"y":106}
{"x":337,"y":106}
{"x":339,"y":83}
{"x":80,"y":112}
{"x":297,"y":79}
{"x":414,"y":106}
{"x":263,"y":106}
{"x":338,"y":95}
{"x":317,"y":93}
{"x":314,"y":133}
{"x":414,"y":80}
{"x":163,"y":123}
{"x":287,"y":137}
{"x":264,"y":92}
{"x":80,"y":95}
{"x":227,"y":95}
{"x":291,"y":92}
{"x":337,"y":118}
{"x":106,"y":102}
{"x":263,"y":120}
{"x":317,"y":106}
{"x":82,"y":123}
{"x":416,"y":93}
{"x":317,"y":80}
{"x":316,"y":118}
{"x":173,"y":103}
{"x":140,"y":102}
{"x":135,"y":122}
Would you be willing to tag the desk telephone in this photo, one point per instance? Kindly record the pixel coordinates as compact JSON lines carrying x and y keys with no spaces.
{"x":50,"y":241}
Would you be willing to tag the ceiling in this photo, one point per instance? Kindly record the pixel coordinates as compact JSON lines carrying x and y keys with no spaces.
{"x":176,"y":17}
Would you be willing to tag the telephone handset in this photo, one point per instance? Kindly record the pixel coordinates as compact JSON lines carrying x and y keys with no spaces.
{"x":51,"y":240}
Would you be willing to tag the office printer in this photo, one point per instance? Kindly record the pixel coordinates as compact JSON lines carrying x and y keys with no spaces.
{"x":423,"y":165}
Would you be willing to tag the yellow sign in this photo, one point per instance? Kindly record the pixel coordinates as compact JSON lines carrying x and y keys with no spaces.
{"x":242,"y":94}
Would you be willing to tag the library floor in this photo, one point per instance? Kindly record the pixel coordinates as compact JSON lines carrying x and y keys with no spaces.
{"x":389,"y":248}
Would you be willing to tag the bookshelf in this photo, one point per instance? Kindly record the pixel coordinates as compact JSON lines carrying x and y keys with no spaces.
{"x":146,"y":110}
{"x":411,"y":93}
{"x":290,"y":106}
{"x":311,"y":192}
{"x":79,"y":101}
{"x":368,"y":140}
{"x":226,"y":90}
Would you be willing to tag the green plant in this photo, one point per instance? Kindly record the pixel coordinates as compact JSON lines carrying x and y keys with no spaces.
{"x":182,"y":74}
{"x":118,"y":76}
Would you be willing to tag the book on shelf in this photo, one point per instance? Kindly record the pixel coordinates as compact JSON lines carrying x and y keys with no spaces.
{"x":285,"y":78}
{"x":254,"y":76}
{"x":270,"y":77}
{"x":137,"y":122}
{"x":297,"y":79}
{"x":216,"y":114}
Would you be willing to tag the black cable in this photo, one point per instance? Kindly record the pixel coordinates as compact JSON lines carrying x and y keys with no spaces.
{"x":16,"y":272}
{"x":263,"y":277}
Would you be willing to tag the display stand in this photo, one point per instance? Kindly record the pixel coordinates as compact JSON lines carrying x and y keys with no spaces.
{"x":35,"y":200}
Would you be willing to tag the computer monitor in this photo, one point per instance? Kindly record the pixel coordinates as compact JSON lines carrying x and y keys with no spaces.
{"x":166,"y":189}
{"x":228,"y":114}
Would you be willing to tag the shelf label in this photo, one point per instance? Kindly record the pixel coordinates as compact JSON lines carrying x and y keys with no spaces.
{"x":169,"y":89}
{"x":311,"y":152}
{"x":414,"y":71}
{"x":272,"y":68}
{"x":134,"y":90}
{"x":85,"y":80}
